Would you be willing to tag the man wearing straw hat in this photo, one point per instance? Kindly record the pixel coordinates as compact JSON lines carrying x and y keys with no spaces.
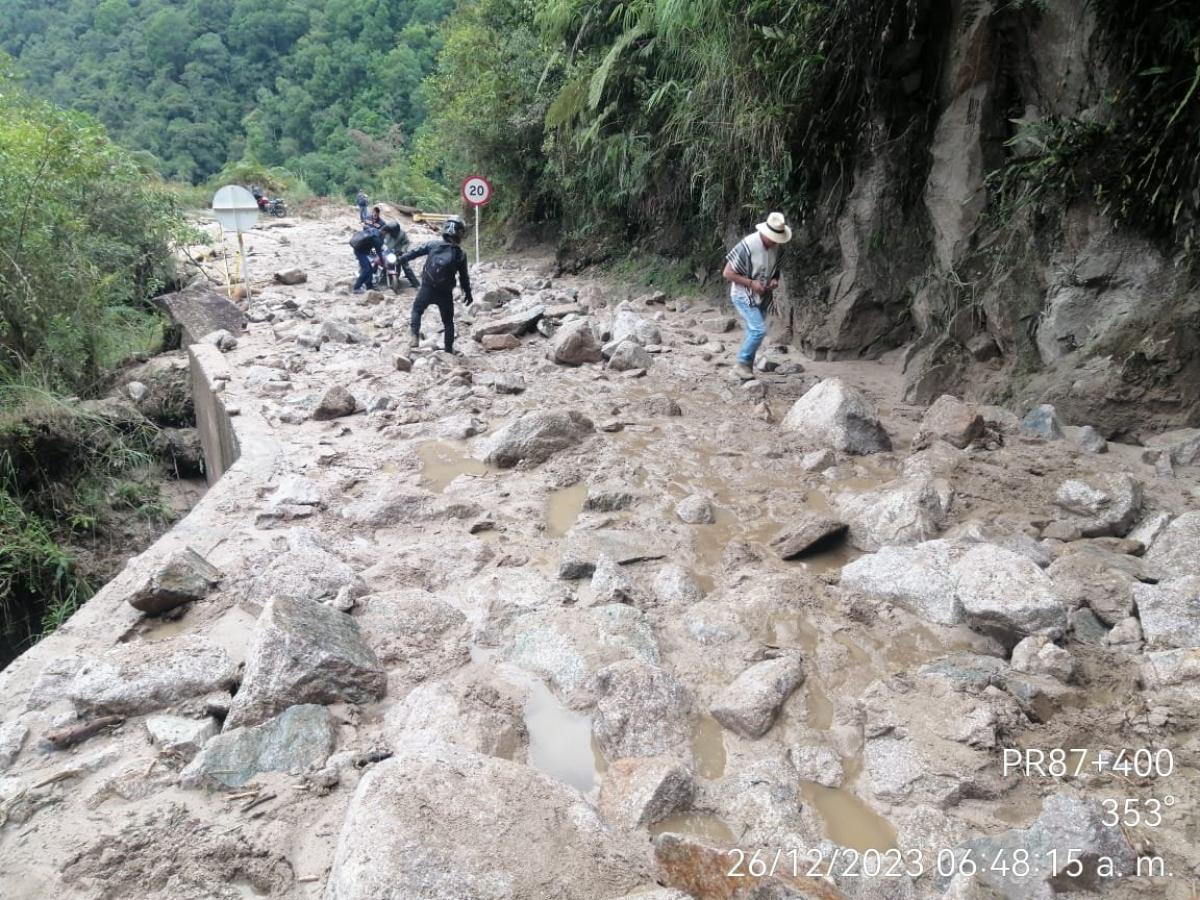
{"x":752,"y":270}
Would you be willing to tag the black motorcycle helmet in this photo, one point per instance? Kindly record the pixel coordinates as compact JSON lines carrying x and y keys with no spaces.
{"x":393,"y":230}
{"x":453,"y":229}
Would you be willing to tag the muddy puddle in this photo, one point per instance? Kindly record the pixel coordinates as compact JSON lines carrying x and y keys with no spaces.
{"x":848,"y":820}
{"x":563,"y":508}
{"x":705,"y":826}
{"x":560,"y":739}
{"x":708,"y":748}
{"x":231,"y":631}
{"x":442,"y":462}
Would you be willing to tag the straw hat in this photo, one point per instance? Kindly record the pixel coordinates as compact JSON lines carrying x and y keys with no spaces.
{"x":775,"y":229}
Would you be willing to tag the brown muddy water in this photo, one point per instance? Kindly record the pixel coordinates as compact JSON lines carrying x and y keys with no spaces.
{"x":443,"y":461}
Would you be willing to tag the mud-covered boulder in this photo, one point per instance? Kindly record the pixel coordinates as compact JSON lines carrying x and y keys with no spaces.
{"x":536,"y":436}
{"x":640,"y":792}
{"x":920,"y":579}
{"x":160,"y":389}
{"x":627,"y":325}
{"x":1101,"y":504}
{"x":437,"y":820}
{"x":305,"y":571}
{"x":834,"y":415}
{"x":482,"y":717}
{"x":183,"y":577}
{"x":514,"y":322}
{"x":674,"y":584}
{"x":1005,"y":595}
{"x":641,"y":710}
{"x":1098,"y":581}
{"x":902,"y":512}
{"x":1177,"y":546}
{"x":629,"y":355}
{"x":806,"y":534}
{"x":696,"y":509}
{"x":336,"y":403}
{"x":575,"y":344}
{"x":414,"y":633}
{"x":1170,"y":612}
{"x":304,"y":652}
{"x":750,"y":704}
{"x":949,"y":420}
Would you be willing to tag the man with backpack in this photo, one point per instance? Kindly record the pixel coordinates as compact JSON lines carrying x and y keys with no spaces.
{"x":361,"y":201}
{"x":362,"y":243}
{"x":446,"y":261}
{"x":752,"y":270}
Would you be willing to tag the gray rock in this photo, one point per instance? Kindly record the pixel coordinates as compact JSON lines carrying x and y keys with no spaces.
{"x":818,"y":461}
{"x":1042,"y":422}
{"x":629,"y":356}
{"x":1181,"y":447}
{"x":1124,"y":633}
{"x":335,"y":332}
{"x":139,"y":678}
{"x":808,"y":533}
{"x":54,"y":681}
{"x":1068,"y":822}
{"x":1005,"y":594}
{"x":304,"y":652}
{"x":184,"y":577}
{"x":641,"y":710}
{"x":304,"y":571}
{"x":608,"y":498}
{"x":184,"y":737}
{"x":502,"y":382}
{"x":336,"y":403}
{"x":1171,"y":668}
{"x":460,"y":427}
{"x":1104,"y":504}
{"x":637,"y":793}
{"x":403,"y":835}
{"x":1177,"y":546}
{"x":221,"y":339}
{"x":1087,"y":628}
{"x":610,"y":584}
{"x":478,"y":716}
{"x":494,"y":342}
{"x":750,"y":704}
{"x":414,"y":633}
{"x":387,"y":508}
{"x":584,"y":547}
{"x":696,"y":509}
{"x":536,"y":436}
{"x":1148,"y":530}
{"x":674,"y":584}
{"x":817,"y":764}
{"x":1088,"y":579}
{"x":949,"y":420}
{"x":920,"y":579}
{"x":402,"y":362}
{"x":291,"y":276}
{"x":718,"y":324}
{"x":900,"y":512}
{"x":575,"y":344}
{"x":839,"y":417}
{"x":12,"y":738}
{"x":1038,"y":655}
{"x":1170,"y":612}
{"x":999,"y":418}
{"x":629,"y":326}
{"x":659,"y":407}
{"x":1091,"y":440}
{"x":516,"y":322}
{"x":299,"y":738}
{"x":199,"y":310}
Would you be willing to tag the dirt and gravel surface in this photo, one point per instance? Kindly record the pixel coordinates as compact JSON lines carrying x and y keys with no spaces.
{"x":516,"y":623}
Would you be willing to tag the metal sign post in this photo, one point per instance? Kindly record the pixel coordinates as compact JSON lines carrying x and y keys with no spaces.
{"x":237,"y":210}
{"x":476,"y":191}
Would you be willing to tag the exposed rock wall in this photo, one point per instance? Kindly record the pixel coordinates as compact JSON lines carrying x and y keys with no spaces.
{"x":998,"y":304}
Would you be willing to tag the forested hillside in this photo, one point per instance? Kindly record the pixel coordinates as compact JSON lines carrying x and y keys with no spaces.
{"x":327,"y":88}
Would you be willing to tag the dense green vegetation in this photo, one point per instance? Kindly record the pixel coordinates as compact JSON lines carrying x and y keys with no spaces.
{"x":329,"y":88}
{"x":85,"y":241}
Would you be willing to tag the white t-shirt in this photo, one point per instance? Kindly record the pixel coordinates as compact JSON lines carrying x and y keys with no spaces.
{"x":752,"y":260}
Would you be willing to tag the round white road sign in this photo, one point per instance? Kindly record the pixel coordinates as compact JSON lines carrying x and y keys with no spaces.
{"x":235,"y":208}
{"x":476,"y":190}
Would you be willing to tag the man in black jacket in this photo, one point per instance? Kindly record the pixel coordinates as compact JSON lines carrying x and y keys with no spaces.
{"x":362,"y":243}
{"x":445,"y":262}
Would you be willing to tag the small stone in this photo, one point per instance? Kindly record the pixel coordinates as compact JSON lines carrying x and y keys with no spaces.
{"x":696,"y":510}
{"x":674,"y":584}
{"x":1125,"y":633}
{"x":401,"y":363}
{"x":610,"y":584}
{"x":718,"y":324}
{"x":659,"y":407}
{"x":818,"y":461}
{"x":949,"y":420}
{"x":754,"y":388}
{"x":629,"y":356}
{"x":1038,"y":655}
{"x":1091,"y":440}
{"x":136,"y":391}
{"x":221,"y":339}
{"x":336,"y":403}
{"x":181,"y":736}
{"x":820,"y":765}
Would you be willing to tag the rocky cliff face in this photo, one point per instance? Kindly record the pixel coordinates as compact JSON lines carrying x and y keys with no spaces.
{"x":1001,"y":302}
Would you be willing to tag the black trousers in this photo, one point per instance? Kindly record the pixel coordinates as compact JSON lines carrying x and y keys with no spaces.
{"x":445,"y":304}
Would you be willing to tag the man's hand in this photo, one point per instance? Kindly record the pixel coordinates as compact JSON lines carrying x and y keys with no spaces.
{"x":758,"y":287}
{"x":772,"y":284}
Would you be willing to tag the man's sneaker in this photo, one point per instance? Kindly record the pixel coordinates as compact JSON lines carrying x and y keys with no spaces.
{"x":743,"y":371}
{"x":358,"y":291}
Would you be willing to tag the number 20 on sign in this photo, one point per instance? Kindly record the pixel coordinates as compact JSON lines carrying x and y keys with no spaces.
{"x":477,"y":192}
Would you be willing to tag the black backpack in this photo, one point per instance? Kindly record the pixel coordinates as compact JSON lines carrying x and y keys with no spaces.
{"x":362,"y":240}
{"x":441,"y":266}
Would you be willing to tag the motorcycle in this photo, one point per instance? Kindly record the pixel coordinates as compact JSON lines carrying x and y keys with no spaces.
{"x":386,"y":269}
{"x":271,"y":207}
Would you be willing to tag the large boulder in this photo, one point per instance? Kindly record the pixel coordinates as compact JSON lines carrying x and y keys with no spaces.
{"x":516,"y":322}
{"x":335,"y":404}
{"x":184,"y":577}
{"x":304,"y":652}
{"x":304,"y":571}
{"x":806,"y":534}
{"x":584,"y":547}
{"x":750,"y":704}
{"x":414,"y":633}
{"x":1170,"y":612}
{"x":640,"y":792}
{"x":901,"y":512}
{"x":536,"y":436}
{"x":439,"y":821}
{"x":920,"y":579}
{"x":949,"y":420}
{"x":832,"y":414}
{"x":1006,"y":595}
{"x":1102,"y":504}
{"x":575,"y":344}
{"x":299,"y":738}
{"x":1096,"y":580}
{"x":140,"y":678}
{"x":479,"y":716}
{"x":1177,"y":547}
{"x":628,"y":356}
{"x":1042,"y":422}
{"x":629,"y":326}
{"x":641,"y":710}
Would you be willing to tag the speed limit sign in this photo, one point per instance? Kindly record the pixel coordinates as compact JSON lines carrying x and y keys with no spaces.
{"x":476,"y":190}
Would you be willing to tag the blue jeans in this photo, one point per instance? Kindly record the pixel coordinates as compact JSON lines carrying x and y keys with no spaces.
{"x":755,"y":319}
{"x":365,"y":278}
